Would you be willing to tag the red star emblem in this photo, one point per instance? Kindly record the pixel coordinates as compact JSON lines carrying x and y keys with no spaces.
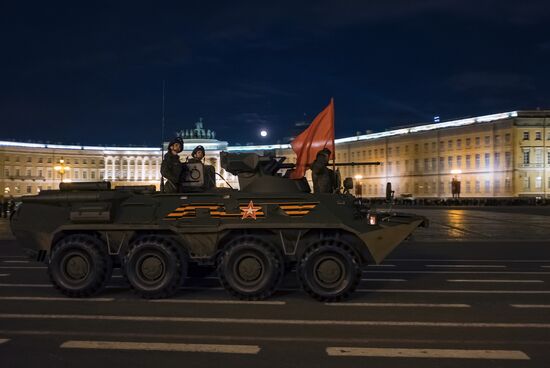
{"x":249,"y":211}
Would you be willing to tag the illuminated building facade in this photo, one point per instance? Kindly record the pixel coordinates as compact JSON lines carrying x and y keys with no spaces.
{"x":499,"y":155}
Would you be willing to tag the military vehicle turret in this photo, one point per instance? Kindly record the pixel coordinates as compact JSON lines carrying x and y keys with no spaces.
{"x":252,"y":235}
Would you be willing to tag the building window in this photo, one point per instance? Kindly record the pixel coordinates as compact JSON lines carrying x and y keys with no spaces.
{"x":487,"y":140}
{"x":29,"y":172}
{"x":538,"y":155}
{"x":416,"y":166}
{"x":507,"y":138}
{"x":508,"y":158}
{"x":389,"y":167}
{"x":426,"y":147}
{"x":497,"y":140}
{"x":496,"y":186}
{"x":416,"y":148}
{"x":478,"y":186}
{"x":525,"y":136}
{"x":441,"y":163}
{"x":426,"y":165}
{"x":478,"y":159}
{"x":84,"y":161}
{"x":40,"y":160}
{"x":468,"y":161}
{"x":468,"y":187}
{"x":49,"y":174}
{"x":375,"y":153}
{"x":381,"y":152}
{"x":92,"y":174}
{"x":40,"y":173}
{"x":407,"y":148}
{"x":29,"y":159}
{"x":397,"y":150}
{"x":84,"y":175}
{"x":29,"y":189}
{"x":17,"y":159}
{"x":76,"y":174}
{"x":526,"y":183}
{"x":49,"y":160}
{"x":497,"y":160}
{"x":487,"y":160}
{"x":548,"y":158}
{"x":76,"y":161}
{"x":459,"y":143}
{"x":538,"y":182}
{"x":478,"y":140}
{"x":434,"y":163}
{"x":538,"y":136}
{"x":450,"y":144}
{"x":7,"y":173}
{"x":458,"y":162}
{"x":441,"y":145}
{"x":468,"y":141}
{"x":526,"y":157}
{"x":433,"y":146}
{"x":450,"y":162}
{"x":507,"y":184}
{"x":487,"y":186}
{"x":397,"y":167}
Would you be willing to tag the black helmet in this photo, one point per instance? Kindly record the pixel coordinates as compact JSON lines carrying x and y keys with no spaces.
{"x":174,"y":141}
{"x":197,"y":149}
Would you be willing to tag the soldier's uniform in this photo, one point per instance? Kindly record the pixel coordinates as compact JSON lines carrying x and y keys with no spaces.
{"x":171,"y":168}
{"x":209,"y":171}
{"x":323,"y":177}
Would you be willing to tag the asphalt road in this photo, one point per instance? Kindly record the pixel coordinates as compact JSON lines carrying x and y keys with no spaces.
{"x":460,"y":295}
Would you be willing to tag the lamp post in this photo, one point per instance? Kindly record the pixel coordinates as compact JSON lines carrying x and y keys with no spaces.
{"x":62,"y":168}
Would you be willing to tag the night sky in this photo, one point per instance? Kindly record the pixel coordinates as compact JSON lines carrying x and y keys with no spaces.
{"x":91,"y":72}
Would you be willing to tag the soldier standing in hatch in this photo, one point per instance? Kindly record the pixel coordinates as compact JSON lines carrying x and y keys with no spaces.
{"x":197,"y":156}
{"x":171,"y":166}
{"x":323,"y":177}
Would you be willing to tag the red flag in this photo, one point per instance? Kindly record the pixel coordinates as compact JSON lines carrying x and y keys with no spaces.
{"x":319,"y":135}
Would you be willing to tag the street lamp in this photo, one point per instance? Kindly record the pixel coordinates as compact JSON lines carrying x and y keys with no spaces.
{"x":62,"y":168}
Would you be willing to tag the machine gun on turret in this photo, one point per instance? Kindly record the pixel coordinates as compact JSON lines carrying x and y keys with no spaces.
{"x":260,"y":173}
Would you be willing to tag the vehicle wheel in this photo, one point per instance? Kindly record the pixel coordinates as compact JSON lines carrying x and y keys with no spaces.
{"x":329,"y":271}
{"x":155,"y":267}
{"x":250,"y":269}
{"x":80,"y":265}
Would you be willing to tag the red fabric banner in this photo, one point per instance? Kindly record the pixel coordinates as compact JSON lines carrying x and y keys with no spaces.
{"x":319,"y":135}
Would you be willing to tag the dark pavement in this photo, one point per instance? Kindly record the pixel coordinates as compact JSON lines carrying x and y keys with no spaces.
{"x":476,"y":301}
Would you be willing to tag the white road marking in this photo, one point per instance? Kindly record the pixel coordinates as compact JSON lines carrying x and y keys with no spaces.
{"x":408,"y":305}
{"x":502,"y":281}
{"x":27,"y":285}
{"x":534,"y":306}
{"x":467,"y":260}
{"x":467,"y":272}
{"x":206,"y":301}
{"x":391,"y":280}
{"x":467,"y":266}
{"x":16,"y":261}
{"x":56,"y":299}
{"x":428,"y":353}
{"x":437,"y":291}
{"x":381,"y":265}
{"x":260,"y":321}
{"x":155,"y":346}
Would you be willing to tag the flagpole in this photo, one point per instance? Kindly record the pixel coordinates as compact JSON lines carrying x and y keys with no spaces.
{"x":333,"y":144}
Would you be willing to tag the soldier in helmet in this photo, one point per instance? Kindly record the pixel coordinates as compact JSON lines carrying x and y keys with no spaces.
{"x":323,"y":177}
{"x":197,"y":156}
{"x":171,"y":166}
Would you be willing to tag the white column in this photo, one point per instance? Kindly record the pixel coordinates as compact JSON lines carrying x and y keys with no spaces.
{"x":143,"y":169}
{"x":105,"y":160}
{"x":127,"y":159}
{"x":136,"y":169}
{"x":113,"y":168}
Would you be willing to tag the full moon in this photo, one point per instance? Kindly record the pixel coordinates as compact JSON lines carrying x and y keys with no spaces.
{"x":263,"y":133}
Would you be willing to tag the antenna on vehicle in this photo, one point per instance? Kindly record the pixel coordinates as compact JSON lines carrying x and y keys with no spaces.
{"x":162,"y":130}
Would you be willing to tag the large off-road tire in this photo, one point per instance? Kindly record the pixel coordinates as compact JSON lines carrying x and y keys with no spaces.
{"x":250,"y":269}
{"x":329,"y":270}
{"x":79,"y":265}
{"x":155,"y":266}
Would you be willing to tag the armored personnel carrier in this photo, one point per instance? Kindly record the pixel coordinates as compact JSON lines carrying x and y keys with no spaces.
{"x":252,"y":235}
